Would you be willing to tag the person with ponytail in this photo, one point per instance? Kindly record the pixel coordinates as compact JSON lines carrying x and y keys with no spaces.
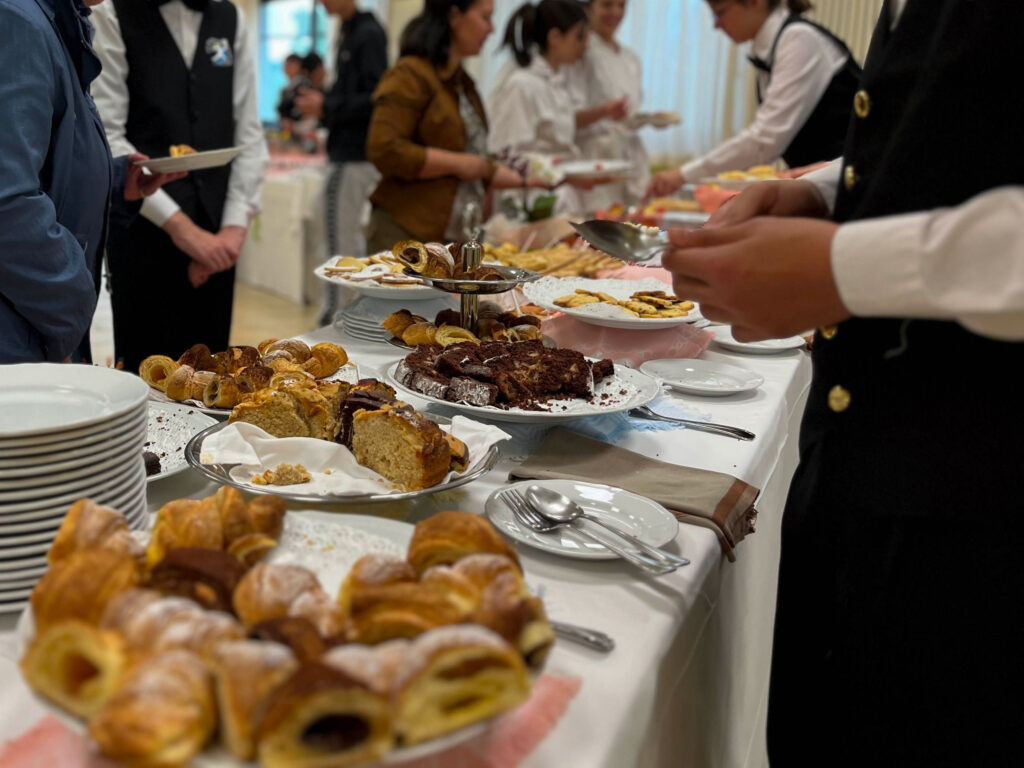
{"x":606,"y":86}
{"x":532,"y":109}
{"x":806,"y":82}
{"x":428,"y":133}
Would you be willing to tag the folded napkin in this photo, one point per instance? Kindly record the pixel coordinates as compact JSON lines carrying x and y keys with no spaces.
{"x":710,"y":499}
{"x":333,"y":468}
{"x":676,"y":342}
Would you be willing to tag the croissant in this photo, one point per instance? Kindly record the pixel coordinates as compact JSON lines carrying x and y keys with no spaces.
{"x":268,"y":591}
{"x":419,"y":333}
{"x":196,"y":356}
{"x":266,"y":514}
{"x":323,"y":613}
{"x":222,"y":391}
{"x":296,"y":633}
{"x":298,"y":350}
{"x":452,"y":677}
{"x":251,"y":548}
{"x":179,"y":383}
{"x":185,"y":523}
{"x":207,"y":576}
{"x":254,"y":377}
{"x":325,"y":360}
{"x":398,"y":610}
{"x":80,"y":585}
{"x":240,"y":357}
{"x":397,"y":322}
{"x":156,"y":369}
{"x":448,"y":536}
{"x":246,"y":673}
{"x":198,"y":383}
{"x":285,"y":378}
{"x":373,"y":570}
{"x":412,"y":254}
{"x":507,"y":607}
{"x":489,"y":327}
{"x":161,"y":716}
{"x":526,"y":332}
{"x":87,"y":525}
{"x":452,"y":334}
{"x":264,"y":345}
{"x":75,"y":665}
{"x":448,"y":317}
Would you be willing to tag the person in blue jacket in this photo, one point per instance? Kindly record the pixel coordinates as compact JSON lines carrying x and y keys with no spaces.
{"x":58,"y":182}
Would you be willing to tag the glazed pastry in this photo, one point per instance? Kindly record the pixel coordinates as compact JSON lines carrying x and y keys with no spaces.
{"x":254,"y":377}
{"x":185,"y":523}
{"x":208,"y":577}
{"x":156,"y":369}
{"x":398,"y":610}
{"x":80,"y":585}
{"x":161,"y":716}
{"x":280,"y":361}
{"x":402,"y":445}
{"x":198,"y":383}
{"x":268,"y":591}
{"x":264,"y":345}
{"x":75,"y":665}
{"x":239,"y":357}
{"x":325,"y":716}
{"x":197,"y":357}
{"x":448,"y":536}
{"x":325,"y":359}
{"x":298,"y":350}
{"x":373,"y":570}
{"x":87,"y":525}
{"x":397,"y":322}
{"x":179,"y":383}
{"x":246,"y":673}
{"x":222,"y":391}
{"x":419,"y":333}
{"x":452,"y":334}
{"x":452,"y":677}
{"x":284,"y":378}
{"x":295,"y":632}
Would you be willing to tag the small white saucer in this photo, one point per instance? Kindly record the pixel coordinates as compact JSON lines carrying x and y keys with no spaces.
{"x":703,"y":377}
{"x":724,"y":338}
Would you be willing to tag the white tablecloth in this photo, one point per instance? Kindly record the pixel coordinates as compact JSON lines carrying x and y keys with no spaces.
{"x":687,"y":682}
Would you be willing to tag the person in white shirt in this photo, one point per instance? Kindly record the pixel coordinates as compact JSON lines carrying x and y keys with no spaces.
{"x":179,"y":73}
{"x":607,"y":86}
{"x":900,"y":619}
{"x":530,"y":108}
{"x":806,"y":80}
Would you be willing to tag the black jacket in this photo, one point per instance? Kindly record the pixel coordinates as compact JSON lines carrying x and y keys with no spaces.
{"x":362,"y":60}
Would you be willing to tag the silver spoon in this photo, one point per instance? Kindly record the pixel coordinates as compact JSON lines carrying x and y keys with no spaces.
{"x":560,"y":508}
{"x":643,"y":412}
{"x":624,"y":241}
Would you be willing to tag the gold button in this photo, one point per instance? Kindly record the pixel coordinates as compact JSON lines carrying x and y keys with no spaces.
{"x":829,"y":331}
{"x":838,"y":399}
{"x":862,"y":104}
{"x":850,"y":177}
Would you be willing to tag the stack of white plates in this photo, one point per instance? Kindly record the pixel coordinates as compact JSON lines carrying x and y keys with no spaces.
{"x":362,"y":318}
{"x":66,"y":432}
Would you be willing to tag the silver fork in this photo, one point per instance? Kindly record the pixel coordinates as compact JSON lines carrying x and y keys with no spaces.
{"x":532,"y":519}
{"x":643,"y":412}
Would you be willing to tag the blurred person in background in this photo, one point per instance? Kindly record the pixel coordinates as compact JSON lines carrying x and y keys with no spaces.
{"x":806,"y":81}
{"x":428,"y":133}
{"x":345,"y":110}
{"x":58,"y":182}
{"x":179,"y":74}
{"x":606,"y":86}
{"x":286,"y":111}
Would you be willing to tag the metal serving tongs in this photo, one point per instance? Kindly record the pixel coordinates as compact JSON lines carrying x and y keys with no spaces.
{"x":624,"y":241}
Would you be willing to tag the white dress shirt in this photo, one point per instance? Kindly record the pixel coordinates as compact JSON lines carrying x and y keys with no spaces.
{"x":805,"y":63}
{"x":110,"y":92}
{"x":925,"y":264}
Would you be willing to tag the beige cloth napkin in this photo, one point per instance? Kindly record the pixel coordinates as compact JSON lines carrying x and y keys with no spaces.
{"x":696,"y":496}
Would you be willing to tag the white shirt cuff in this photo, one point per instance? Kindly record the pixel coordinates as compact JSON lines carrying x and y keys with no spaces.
{"x":694,"y":171}
{"x":827,"y":181}
{"x":236,"y":214}
{"x":159,"y":207}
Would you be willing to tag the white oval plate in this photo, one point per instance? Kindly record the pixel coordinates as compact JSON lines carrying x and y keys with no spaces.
{"x":703,"y":377}
{"x":197,"y":161}
{"x":593,"y":169}
{"x":543,"y":293}
{"x":724,"y":338}
{"x":170,"y":428}
{"x":411,"y":292}
{"x":47,"y":398}
{"x":639,"y":389}
{"x":647,"y":520}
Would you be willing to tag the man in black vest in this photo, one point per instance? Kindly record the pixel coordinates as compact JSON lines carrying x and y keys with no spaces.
{"x":346,"y":110}
{"x":899,"y":632}
{"x":179,"y":72}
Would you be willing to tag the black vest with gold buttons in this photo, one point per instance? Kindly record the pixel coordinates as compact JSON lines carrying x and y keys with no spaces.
{"x":168,"y":103}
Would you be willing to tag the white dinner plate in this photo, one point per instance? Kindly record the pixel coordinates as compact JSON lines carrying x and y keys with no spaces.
{"x":405,"y":292}
{"x":45,"y":398}
{"x":75,"y":439}
{"x":78,"y":466}
{"x":120,"y":489}
{"x":593,"y":169}
{"x":86,"y":470}
{"x":626,"y":388}
{"x":724,"y":338}
{"x":703,"y":377}
{"x":85,"y":447}
{"x":654,"y":119}
{"x":543,"y":293}
{"x":170,"y":428}
{"x":647,"y":520}
{"x":211,"y":158}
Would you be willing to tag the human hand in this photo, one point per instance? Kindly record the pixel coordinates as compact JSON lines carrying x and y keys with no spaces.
{"x":768,"y":278}
{"x":472,"y":167}
{"x":310,"y":102}
{"x":139,"y":183}
{"x":616,"y":109}
{"x":208,"y":249}
{"x":197,"y":273}
{"x":771,"y":198}
{"x":233,"y":238}
{"x":665,"y":183}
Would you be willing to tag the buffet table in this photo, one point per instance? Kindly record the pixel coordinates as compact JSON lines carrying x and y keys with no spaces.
{"x":687,"y":682}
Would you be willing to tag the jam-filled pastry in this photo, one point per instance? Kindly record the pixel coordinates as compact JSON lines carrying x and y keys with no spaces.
{"x":448,"y":536}
{"x":452,"y":677}
{"x":87,"y":525}
{"x":75,"y":665}
{"x":209,"y":577}
{"x":161,"y":716}
{"x":246,"y":673}
{"x":80,"y":585}
{"x":327,"y":715}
